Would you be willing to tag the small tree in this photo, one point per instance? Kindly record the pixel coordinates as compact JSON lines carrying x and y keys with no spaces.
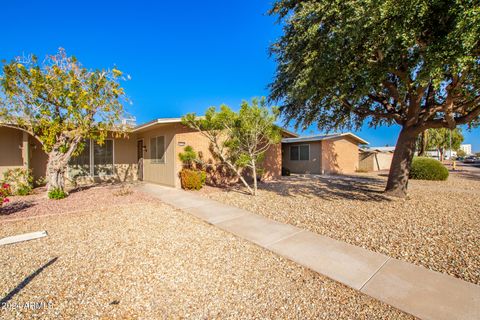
{"x":442,"y":139}
{"x":241,"y":139}
{"x":461,"y":153}
{"x":60,"y":103}
{"x":188,"y":157}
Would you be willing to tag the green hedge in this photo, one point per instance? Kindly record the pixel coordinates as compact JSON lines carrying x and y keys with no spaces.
{"x":428,"y":169}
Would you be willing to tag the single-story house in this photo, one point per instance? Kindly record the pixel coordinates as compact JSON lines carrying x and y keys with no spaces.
{"x":375,"y":158}
{"x":322,"y":154}
{"x":150,"y":153}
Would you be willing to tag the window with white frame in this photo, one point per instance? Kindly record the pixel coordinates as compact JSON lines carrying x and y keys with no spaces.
{"x":300,"y":152}
{"x":157,"y":149}
{"x":95,"y":160}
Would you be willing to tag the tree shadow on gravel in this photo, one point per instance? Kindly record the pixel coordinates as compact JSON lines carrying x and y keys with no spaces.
{"x":26,"y":281}
{"x":14,"y":207}
{"x":330,"y":187}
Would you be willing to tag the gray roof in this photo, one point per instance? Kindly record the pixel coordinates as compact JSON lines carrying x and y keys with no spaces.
{"x":378,"y":149}
{"x":324,"y":137}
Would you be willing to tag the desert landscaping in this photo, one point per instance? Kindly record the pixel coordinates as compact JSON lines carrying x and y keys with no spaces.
{"x":126,"y":255}
{"x":435,"y":227}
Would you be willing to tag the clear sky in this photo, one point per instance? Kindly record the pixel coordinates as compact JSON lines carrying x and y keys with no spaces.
{"x":183,"y":56}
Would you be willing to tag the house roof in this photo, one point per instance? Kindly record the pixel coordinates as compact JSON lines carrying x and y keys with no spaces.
{"x":155,"y":122}
{"x":378,"y":149}
{"x":324,"y":137}
{"x":179,"y":120}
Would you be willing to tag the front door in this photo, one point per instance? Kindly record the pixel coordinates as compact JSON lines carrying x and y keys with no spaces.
{"x":140,"y":159}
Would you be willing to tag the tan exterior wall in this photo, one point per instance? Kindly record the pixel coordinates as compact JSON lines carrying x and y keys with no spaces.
{"x":313,"y":165}
{"x":10,"y":149}
{"x":125,"y":158}
{"x":273,"y":163}
{"x":375,"y":161}
{"x":339,"y":156}
{"x":366,"y":161}
{"x":38,"y":159}
{"x":188,"y":137}
{"x":199,"y":143}
{"x":384,"y":160}
{"x":161,"y":173}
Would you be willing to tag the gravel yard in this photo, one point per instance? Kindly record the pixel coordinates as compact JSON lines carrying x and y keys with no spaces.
{"x":140,"y":258}
{"x":81,"y":199}
{"x":437,"y":226}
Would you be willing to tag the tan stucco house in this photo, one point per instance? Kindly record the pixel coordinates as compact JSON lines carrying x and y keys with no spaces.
{"x":375,"y":158}
{"x":150,"y":153}
{"x":322,"y":154}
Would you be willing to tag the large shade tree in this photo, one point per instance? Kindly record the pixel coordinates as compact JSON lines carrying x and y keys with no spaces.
{"x":414,"y":63}
{"x":61,"y":104}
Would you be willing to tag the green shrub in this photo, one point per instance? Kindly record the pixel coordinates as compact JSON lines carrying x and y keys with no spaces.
{"x":285,"y":171}
{"x":428,"y":169}
{"x":192,"y":179}
{"x":188,"y":157}
{"x":57,"y":194}
{"x":20,"y":181}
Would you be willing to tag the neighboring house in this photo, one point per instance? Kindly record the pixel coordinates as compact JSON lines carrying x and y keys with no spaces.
{"x":320,"y":154}
{"x":375,"y":158}
{"x":150,"y":152}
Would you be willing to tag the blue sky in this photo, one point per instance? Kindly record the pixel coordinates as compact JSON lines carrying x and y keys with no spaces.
{"x":182,"y":56}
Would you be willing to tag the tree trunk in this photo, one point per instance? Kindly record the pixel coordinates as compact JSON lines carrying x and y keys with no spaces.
{"x":423,"y":143}
{"x":400,"y":168}
{"x":56,"y":167}
{"x":254,"y":169}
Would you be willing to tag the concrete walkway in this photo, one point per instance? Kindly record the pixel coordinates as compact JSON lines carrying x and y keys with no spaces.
{"x":416,"y":290}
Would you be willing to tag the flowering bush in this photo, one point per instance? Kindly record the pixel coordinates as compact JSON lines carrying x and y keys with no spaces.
{"x":20,"y":181}
{"x":4,"y":193}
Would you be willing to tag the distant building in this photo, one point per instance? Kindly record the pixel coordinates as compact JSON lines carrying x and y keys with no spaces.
{"x":467,"y":148}
{"x":447,"y":154}
{"x":375,"y":158}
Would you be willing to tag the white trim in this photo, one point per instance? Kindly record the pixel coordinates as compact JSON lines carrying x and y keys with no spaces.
{"x":157,"y":121}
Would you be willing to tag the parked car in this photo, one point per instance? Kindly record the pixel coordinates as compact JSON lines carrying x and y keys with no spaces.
{"x":470,"y":159}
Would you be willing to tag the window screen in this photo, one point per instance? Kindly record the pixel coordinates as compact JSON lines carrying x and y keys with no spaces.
{"x":304,"y":152}
{"x":300,"y":152}
{"x":293,"y":152}
{"x":103,"y":158}
{"x":79,"y":166}
{"x":157,"y":149}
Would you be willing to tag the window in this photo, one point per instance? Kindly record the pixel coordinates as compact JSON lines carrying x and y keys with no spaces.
{"x":103,"y":158}
{"x":80,"y":165}
{"x":301,"y":152}
{"x":94,"y":160}
{"x":157,"y":149}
